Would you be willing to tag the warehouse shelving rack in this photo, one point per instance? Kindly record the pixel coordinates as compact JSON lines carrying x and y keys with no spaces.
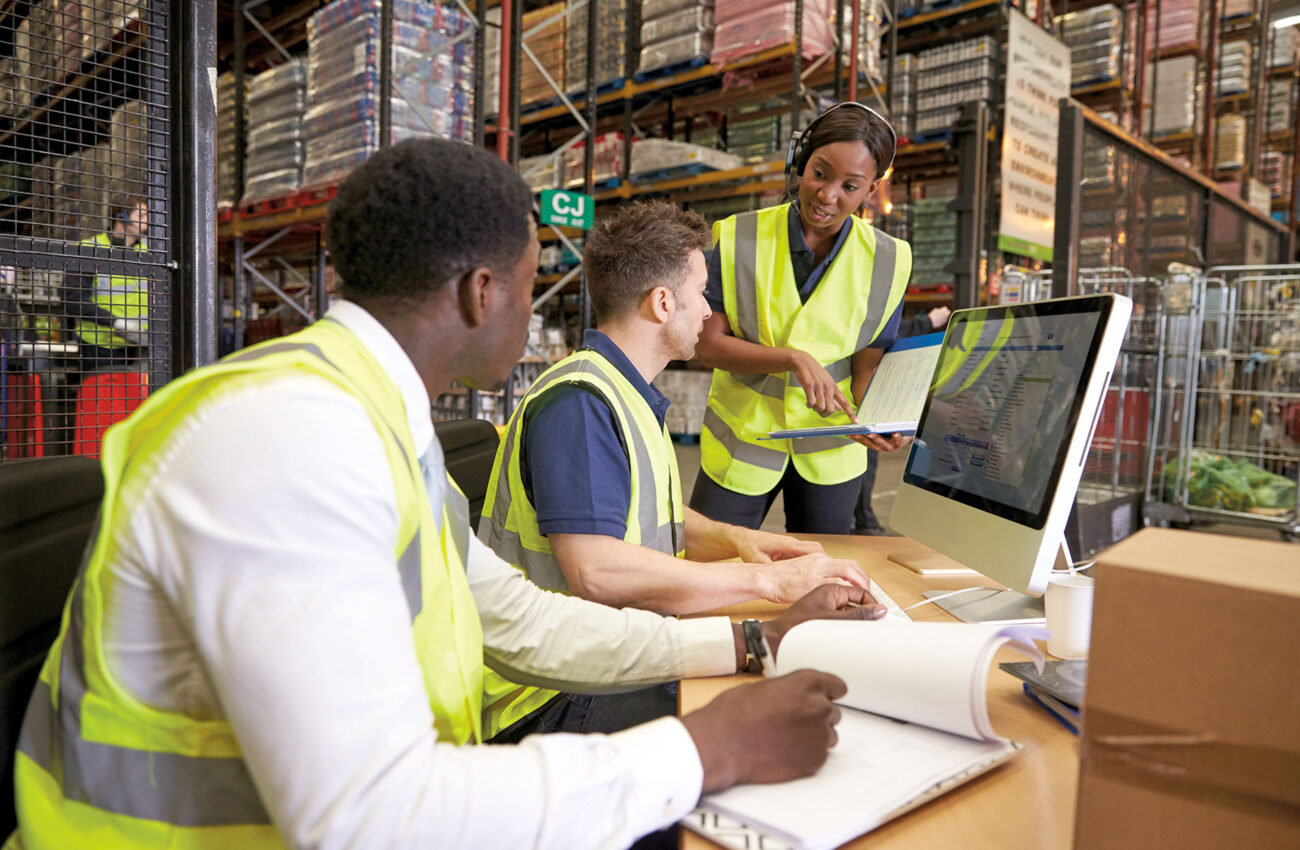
{"x":673,"y":105}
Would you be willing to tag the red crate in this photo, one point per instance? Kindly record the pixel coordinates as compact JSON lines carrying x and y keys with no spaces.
{"x":22,"y":425}
{"x":104,"y":399}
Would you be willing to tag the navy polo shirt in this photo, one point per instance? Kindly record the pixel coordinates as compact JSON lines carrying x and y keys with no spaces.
{"x":807,"y":273}
{"x":575,"y":466}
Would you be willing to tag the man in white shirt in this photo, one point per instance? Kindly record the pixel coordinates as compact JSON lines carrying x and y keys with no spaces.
{"x":238,"y":665}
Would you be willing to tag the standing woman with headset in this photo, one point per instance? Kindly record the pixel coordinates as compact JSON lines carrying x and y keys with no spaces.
{"x":806,"y":297}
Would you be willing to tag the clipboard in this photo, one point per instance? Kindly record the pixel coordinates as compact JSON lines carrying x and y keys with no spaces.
{"x":895,"y":397}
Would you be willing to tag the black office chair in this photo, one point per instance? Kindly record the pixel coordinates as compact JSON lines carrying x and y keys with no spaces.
{"x":470,"y":446}
{"x":47,"y":511}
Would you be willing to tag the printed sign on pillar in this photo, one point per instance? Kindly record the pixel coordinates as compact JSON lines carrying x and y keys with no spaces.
{"x":1038,"y":76}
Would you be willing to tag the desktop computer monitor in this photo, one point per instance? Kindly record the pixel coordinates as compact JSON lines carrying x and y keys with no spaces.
{"x":1002,"y":441}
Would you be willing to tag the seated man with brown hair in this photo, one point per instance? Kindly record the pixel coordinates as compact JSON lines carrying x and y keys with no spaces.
{"x":585,"y":495}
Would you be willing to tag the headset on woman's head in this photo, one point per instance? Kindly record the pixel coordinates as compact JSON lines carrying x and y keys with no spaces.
{"x":797,"y":155}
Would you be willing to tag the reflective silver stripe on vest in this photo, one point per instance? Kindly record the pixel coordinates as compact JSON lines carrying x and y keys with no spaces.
{"x":409,"y":565}
{"x":839,"y":370}
{"x":666,"y":536}
{"x":408,"y":568}
{"x":772,"y":386}
{"x":186,"y":791}
{"x":812,"y":445}
{"x":745,"y":259}
{"x":739,"y":450}
{"x":458,"y":515}
{"x":542,"y":568}
{"x":882,"y":283}
{"x":279,"y":348}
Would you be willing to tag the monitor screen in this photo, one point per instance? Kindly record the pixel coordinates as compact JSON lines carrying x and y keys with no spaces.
{"x":1003,"y":404}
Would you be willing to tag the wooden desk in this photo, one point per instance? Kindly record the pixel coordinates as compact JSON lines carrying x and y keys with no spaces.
{"x":1026,"y":803}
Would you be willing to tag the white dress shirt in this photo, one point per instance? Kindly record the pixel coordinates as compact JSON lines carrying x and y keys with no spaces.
{"x":256,"y":583}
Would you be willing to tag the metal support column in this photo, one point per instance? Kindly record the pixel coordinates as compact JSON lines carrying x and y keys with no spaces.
{"x":1295,"y":152}
{"x":1258,"y":126}
{"x":320,"y":298}
{"x":854,"y":30}
{"x":192,"y":191}
{"x":1139,"y":72}
{"x":516,"y":35}
{"x":839,"y":50}
{"x":629,"y":73}
{"x":385,"y":72}
{"x":480,"y":71}
{"x":589,"y":154}
{"x":241,"y":131}
{"x":237,"y":293}
{"x":507,"y":56}
{"x":893,"y":55}
{"x":796,"y":101}
{"x":1069,"y":186}
{"x":1210,"y":124}
{"x":970,"y":138}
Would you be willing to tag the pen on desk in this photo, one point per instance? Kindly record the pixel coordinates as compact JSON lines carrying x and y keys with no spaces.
{"x":1064,"y":714}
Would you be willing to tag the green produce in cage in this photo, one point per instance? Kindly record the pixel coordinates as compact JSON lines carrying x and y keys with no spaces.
{"x":1221,"y":483}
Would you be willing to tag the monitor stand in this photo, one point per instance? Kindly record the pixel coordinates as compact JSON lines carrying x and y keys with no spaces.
{"x":1000,"y":606}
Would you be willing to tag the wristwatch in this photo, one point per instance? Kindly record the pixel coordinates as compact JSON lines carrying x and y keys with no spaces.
{"x":755,"y":646}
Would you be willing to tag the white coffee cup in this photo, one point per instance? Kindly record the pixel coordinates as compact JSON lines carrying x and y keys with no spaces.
{"x":1069,"y":615}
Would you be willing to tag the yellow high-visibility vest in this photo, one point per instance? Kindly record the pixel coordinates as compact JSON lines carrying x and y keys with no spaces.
{"x":845,"y":313}
{"x":123,"y":296}
{"x":97,"y":768}
{"x":655,"y":517}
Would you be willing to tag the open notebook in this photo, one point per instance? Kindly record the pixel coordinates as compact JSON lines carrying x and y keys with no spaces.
{"x":895,"y":397}
{"x":915,"y":726}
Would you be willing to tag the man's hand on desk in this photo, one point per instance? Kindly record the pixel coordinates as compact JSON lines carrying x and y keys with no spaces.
{"x":791,"y":580}
{"x":828,"y":602}
{"x":770,"y":731}
{"x":761,"y":547}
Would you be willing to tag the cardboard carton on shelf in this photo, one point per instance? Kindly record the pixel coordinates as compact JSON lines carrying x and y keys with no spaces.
{"x":1192,"y":712}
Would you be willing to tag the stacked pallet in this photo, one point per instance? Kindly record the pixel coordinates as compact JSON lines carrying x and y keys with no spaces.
{"x":277,"y":100}
{"x":674,"y":32}
{"x":432,"y":72}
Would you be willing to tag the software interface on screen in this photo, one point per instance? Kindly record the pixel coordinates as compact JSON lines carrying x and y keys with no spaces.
{"x":1001,"y":411}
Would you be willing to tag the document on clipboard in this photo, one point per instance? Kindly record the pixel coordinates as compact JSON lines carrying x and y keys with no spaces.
{"x":895,"y":397}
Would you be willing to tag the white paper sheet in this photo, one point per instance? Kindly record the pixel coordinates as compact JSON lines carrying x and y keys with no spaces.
{"x":934,"y":674}
{"x":898,"y":390}
{"x":879,"y":768}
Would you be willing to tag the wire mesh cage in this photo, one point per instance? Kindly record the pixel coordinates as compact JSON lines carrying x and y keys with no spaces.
{"x":85,"y":281}
{"x":1116,"y":465}
{"x":1140,"y":213}
{"x":1242,"y":458}
{"x":1113,"y":487}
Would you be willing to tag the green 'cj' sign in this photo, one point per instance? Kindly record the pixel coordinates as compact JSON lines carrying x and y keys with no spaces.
{"x":567,"y":209}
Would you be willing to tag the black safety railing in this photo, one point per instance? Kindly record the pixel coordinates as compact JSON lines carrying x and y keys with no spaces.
{"x":1121,"y":203}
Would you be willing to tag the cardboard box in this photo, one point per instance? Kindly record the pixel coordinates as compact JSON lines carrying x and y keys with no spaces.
{"x":1192,"y":713}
